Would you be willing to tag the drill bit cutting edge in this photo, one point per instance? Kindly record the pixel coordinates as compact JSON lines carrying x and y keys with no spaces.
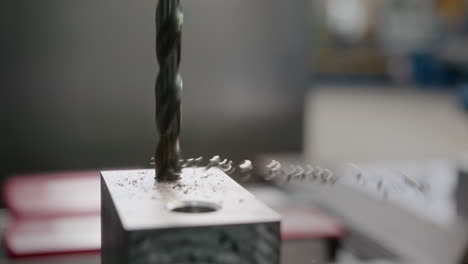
{"x":169,"y":20}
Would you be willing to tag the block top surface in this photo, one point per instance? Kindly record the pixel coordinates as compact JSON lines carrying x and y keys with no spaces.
{"x":143,"y":203}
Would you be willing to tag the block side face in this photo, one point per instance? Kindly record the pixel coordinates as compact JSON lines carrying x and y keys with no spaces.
{"x":234,"y":244}
{"x":113,"y":237}
{"x":142,"y":203}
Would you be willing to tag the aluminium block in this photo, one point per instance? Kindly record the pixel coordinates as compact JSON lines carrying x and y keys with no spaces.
{"x":205,"y":217}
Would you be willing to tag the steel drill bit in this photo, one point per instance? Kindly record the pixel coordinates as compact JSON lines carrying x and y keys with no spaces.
{"x":169,"y":20}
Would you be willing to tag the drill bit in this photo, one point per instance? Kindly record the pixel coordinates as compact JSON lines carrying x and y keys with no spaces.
{"x":169,"y":19}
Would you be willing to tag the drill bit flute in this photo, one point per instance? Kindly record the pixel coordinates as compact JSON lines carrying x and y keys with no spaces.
{"x":169,"y":19}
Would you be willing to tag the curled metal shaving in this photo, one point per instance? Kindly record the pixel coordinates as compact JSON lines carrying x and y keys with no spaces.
{"x":246,"y":166}
{"x":229,"y":168}
{"x":191,"y":163}
{"x":245,"y":170}
{"x":274,"y":168}
{"x":275,"y":172}
{"x":214,"y":162}
{"x":198,"y":161}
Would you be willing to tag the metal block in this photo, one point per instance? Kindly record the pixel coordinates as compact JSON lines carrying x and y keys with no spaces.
{"x":205,"y":217}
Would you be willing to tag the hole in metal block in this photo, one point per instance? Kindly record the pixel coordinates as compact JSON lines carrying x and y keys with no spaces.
{"x":193,"y":207}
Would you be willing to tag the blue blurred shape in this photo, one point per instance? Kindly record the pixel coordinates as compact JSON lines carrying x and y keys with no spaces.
{"x":429,"y":71}
{"x":464,"y":95}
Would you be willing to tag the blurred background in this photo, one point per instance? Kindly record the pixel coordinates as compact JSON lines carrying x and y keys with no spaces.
{"x":84,"y":73}
{"x":307,"y":81}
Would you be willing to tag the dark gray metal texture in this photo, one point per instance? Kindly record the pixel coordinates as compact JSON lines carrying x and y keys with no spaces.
{"x":139,"y":224}
{"x":169,"y":20}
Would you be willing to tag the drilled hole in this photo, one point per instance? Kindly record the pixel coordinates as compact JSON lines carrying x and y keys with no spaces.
{"x":193,"y":207}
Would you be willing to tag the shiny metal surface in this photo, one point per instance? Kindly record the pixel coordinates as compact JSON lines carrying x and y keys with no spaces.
{"x":140,"y":225}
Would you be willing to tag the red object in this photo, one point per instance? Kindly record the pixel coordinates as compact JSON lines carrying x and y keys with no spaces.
{"x":308,"y":223}
{"x":53,"y":236}
{"x":53,"y":195}
{"x":53,"y":214}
